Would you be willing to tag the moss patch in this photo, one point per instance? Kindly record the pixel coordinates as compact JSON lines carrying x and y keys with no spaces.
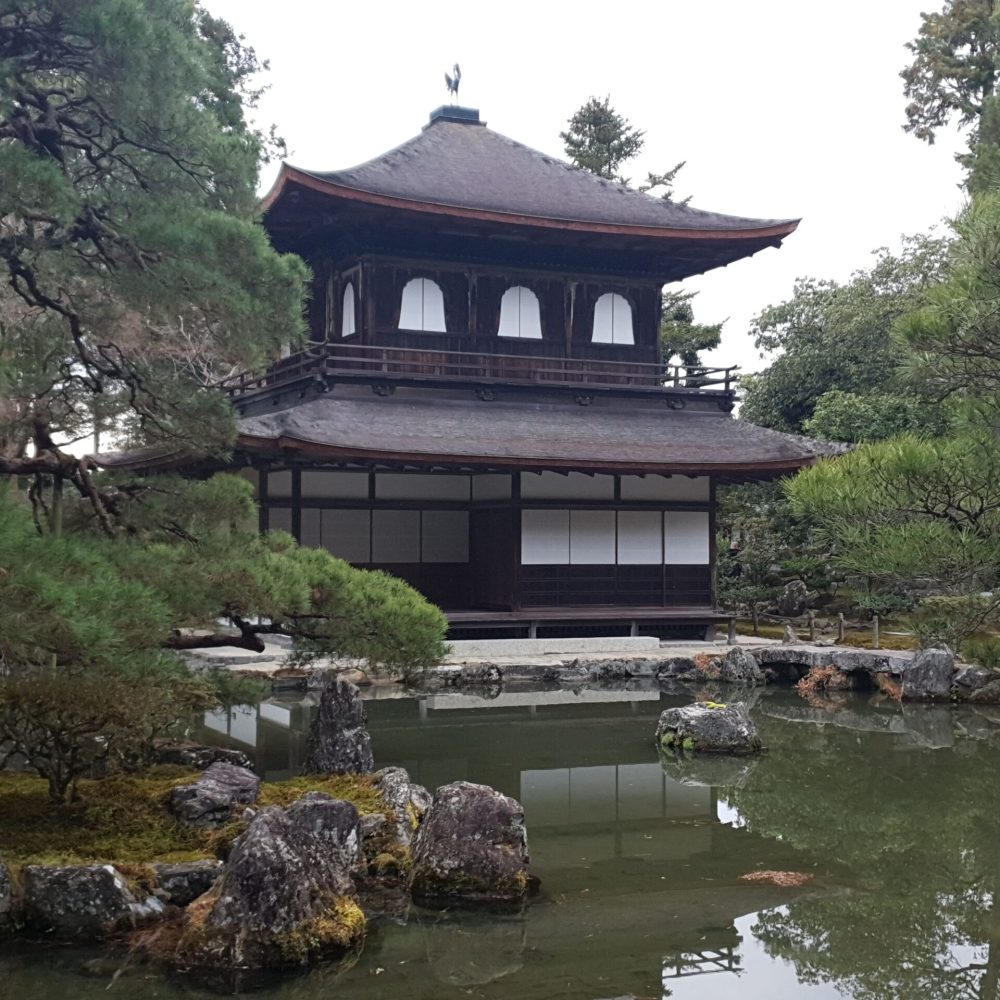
{"x":123,"y":820}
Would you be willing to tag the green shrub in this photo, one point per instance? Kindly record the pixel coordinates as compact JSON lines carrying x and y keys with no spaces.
{"x":983,"y":651}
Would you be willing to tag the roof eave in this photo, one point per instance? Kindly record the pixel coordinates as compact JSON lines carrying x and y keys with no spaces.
{"x":289,"y":176}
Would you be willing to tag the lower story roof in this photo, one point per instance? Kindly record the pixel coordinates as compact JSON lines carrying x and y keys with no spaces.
{"x":607,"y":434}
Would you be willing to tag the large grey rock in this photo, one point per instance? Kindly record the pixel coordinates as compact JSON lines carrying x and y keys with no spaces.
{"x":741,"y":667}
{"x":333,"y":822}
{"x":928,"y":677}
{"x":85,"y":902}
{"x":284,"y":899}
{"x":704,"y":728}
{"x":472,"y":848}
{"x":407,"y":802}
{"x":182,"y":883}
{"x":338,"y":738}
{"x":794,"y":599}
{"x":210,"y":801}
{"x":7,"y":917}
{"x":199,"y":756}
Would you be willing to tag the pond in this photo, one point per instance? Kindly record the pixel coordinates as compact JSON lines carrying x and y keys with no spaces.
{"x":894,"y":812}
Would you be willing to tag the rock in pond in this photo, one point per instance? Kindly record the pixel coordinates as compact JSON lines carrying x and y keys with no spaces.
{"x":284,"y":899}
{"x":83,"y":902}
{"x":338,"y":738}
{"x":210,"y":801}
{"x":928,"y":677}
{"x":471,"y":848}
{"x":741,"y":667}
{"x":706,"y":727}
{"x":182,"y":883}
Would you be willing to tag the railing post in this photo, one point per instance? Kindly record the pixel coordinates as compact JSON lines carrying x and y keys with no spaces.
{"x":875,"y":637}
{"x":840,"y":627}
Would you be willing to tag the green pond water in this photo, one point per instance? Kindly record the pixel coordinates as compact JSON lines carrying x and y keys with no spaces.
{"x":894,"y":811}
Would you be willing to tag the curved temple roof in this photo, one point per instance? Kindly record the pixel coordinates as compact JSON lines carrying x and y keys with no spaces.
{"x":419,"y":428}
{"x":442,"y":170}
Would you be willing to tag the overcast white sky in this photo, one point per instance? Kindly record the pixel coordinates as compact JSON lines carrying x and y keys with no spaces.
{"x":782,"y":108}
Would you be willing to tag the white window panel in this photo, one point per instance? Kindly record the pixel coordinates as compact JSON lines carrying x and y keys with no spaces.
{"x":444,"y":536}
{"x":411,"y":486}
{"x":612,"y":320}
{"x":545,"y":537}
{"x":592,"y":537}
{"x":422,"y":306}
{"x":491,"y":487}
{"x":665,"y":488}
{"x":687,"y":539}
{"x":310,"y":530}
{"x":396,"y":536}
{"x":520,"y":315}
{"x":279,"y":484}
{"x":640,"y":537}
{"x":575,"y":486}
{"x":347,"y":318}
{"x":347,"y":534}
{"x":279,"y":519}
{"x":332,"y":484}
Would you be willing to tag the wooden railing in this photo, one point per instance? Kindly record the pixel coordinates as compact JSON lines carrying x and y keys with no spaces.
{"x":365,"y":363}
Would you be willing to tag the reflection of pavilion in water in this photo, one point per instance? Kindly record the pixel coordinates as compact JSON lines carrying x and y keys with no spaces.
{"x":612,"y":835}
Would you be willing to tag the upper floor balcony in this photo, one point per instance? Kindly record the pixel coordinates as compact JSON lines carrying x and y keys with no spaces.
{"x":322,"y":366}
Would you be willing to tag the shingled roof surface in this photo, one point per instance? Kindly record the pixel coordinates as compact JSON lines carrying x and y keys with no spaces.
{"x":445,"y":165}
{"x":607,"y":434}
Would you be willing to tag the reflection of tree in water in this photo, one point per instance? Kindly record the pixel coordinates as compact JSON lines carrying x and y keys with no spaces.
{"x":919,"y":830}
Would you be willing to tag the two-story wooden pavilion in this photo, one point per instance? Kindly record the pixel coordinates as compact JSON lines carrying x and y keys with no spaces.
{"x":483,"y":411}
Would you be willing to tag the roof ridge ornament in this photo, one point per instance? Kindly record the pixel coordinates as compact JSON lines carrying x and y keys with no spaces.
{"x":452,"y":82}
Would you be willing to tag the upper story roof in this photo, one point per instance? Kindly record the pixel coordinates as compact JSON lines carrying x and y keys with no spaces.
{"x":458,"y":167}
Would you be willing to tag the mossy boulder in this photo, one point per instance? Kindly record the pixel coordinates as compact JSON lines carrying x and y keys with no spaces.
{"x":83,"y":902}
{"x":471,"y":848}
{"x":284,"y":899}
{"x":707,"y":727}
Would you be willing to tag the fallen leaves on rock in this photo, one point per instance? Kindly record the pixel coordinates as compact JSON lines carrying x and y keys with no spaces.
{"x":777,"y":878}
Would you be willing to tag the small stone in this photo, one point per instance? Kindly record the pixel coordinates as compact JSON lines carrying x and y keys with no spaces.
{"x":928,"y":676}
{"x":972,"y":678}
{"x":471,"y":848}
{"x":708,"y":728}
{"x":83,"y":902}
{"x":788,"y":636}
{"x":199,"y":756}
{"x":180,"y":884}
{"x":988,"y":694}
{"x":6,"y":900}
{"x":211,"y":800}
{"x":338,"y":738}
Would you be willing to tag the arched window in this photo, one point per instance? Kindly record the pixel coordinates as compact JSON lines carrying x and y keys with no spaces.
{"x":422,"y":307}
{"x":612,"y":320}
{"x":347,"y":326}
{"x":519,"y":314}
